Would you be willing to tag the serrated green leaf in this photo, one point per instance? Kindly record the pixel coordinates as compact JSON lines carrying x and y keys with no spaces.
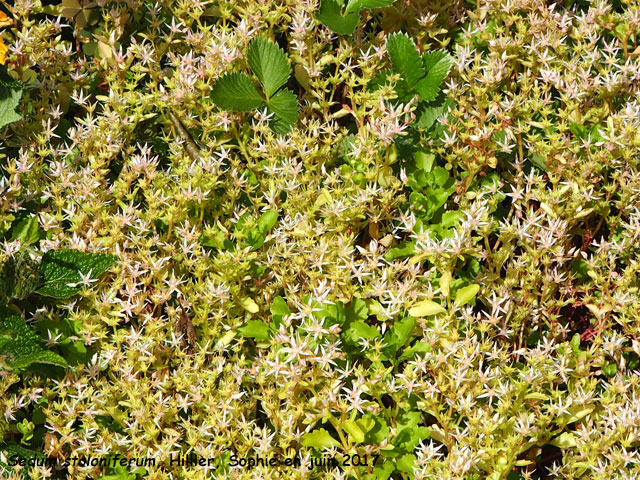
{"x":318,"y":439}
{"x":7,"y":80}
{"x":405,"y":58}
{"x":426,"y":308}
{"x":284,"y":106}
{"x":9,"y":101}
{"x":235,"y":92}
{"x":42,"y":356}
{"x":63,"y":270}
{"x":269,"y":63}
{"x":255,"y":329}
{"x":19,"y":344}
{"x":467,"y":294}
{"x":330,"y":15}
{"x":437,"y":65}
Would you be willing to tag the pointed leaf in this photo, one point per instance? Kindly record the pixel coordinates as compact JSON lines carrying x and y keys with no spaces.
{"x":426,"y":308}
{"x":269,"y":63}
{"x":405,"y":58}
{"x":284,"y":106}
{"x":235,"y":92}
{"x":437,"y":65}
{"x":466,"y":294}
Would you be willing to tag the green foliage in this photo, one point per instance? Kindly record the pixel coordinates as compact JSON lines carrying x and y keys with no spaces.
{"x":235,"y":91}
{"x":10,"y":95}
{"x":56,"y":275}
{"x":345,"y":20}
{"x":66,"y":272}
{"x":20,"y":346}
{"x":318,"y":439}
{"x":269,"y":63}
{"x":419,"y":75}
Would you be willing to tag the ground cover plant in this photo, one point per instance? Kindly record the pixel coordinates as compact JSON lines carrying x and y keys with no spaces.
{"x":390,"y":239}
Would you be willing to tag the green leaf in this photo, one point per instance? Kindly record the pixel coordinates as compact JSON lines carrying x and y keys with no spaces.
{"x":406,"y":463}
{"x":26,"y":230}
{"x":255,"y":329}
{"x":269,"y":63}
{"x":437,"y":65}
{"x":575,"y":343}
{"x":9,"y":101}
{"x":256,"y":236}
{"x":330,"y":15}
{"x":564,"y":440}
{"x":249,"y":305}
{"x":318,"y":439}
{"x":411,"y":352}
{"x":399,"y":333}
{"x":235,"y":92}
{"x":426,"y":308}
{"x":354,"y":430}
{"x":284,"y":106}
{"x":19,"y":344}
{"x":427,"y":114}
{"x":384,"y":471}
{"x":358,"y":5}
{"x":267,"y":220}
{"x":610,"y":370}
{"x":405,"y":58}
{"x":62,"y":271}
{"x":357,"y":310}
{"x":359,"y":330}
{"x":467,"y":294}
{"x":379,"y":432}
{"x":279,"y":307}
